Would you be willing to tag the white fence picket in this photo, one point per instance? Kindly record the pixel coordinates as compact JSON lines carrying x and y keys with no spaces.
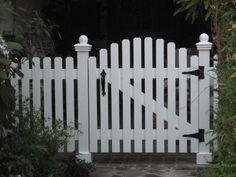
{"x":160,"y":112}
{"x":25,"y":90}
{"x":137,"y":97}
{"x":70,"y":108}
{"x":104,"y":104}
{"x":182,"y":98}
{"x":58,"y":89}
{"x":171,"y":98}
{"x":115,"y":113}
{"x":127,"y":135}
{"x":47,"y":88}
{"x":36,"y":72}
{"x":194,"y":91}
{"x":148,"y":102}
{"x":93,"y":115}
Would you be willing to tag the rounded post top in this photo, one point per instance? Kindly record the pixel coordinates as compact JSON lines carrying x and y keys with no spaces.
{"x":83,"y":45}
{"x":83,"y":39}
{"x":204,"y":43}
{"x":204,"y":37}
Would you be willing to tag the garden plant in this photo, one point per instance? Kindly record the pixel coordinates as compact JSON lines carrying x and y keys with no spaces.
{"x":221,"y":15}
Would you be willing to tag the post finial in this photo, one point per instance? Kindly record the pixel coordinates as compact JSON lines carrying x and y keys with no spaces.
{"x":83,"y":39}
{"x":204,"y":37}
{"x":83,"y":45}
{"x":204,"y":43}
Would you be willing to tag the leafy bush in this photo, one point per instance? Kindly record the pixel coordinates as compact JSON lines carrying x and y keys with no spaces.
{"x":74,"y":167}
{"x":30,"y":147}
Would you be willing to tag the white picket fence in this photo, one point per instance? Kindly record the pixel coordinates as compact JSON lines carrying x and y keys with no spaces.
{"x":143,"y":108}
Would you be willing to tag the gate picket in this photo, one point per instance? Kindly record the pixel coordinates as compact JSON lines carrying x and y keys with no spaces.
{"x":148,"y":100}
{"x":115,"y":113}
{"x":194,"y":92}
{"x":127,"y":135}
{"x":160,"y":112}
{"x":137,"y":97}
{"x":171,"y":98}
{"x":104,"y":104}
{"x":182,"y":99}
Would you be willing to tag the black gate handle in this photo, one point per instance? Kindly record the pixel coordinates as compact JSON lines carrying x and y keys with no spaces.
{"x":103,"y":75}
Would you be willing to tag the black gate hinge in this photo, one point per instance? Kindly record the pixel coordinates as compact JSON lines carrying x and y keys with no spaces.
{"x":199,"y":72}
{"x":199,"y":135}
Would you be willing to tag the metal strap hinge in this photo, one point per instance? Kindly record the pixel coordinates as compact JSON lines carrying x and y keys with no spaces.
{"x":199,"y":135}
{"x":199,"y":72}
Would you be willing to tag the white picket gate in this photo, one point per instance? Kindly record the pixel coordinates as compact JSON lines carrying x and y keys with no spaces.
{"x":139,"y":99}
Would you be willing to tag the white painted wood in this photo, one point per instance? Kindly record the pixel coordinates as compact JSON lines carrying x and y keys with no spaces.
{"x":127,"y":136}
{"x":182,"y":99}
{"x":161,"y":112}
{"x":83,"y":49}
{"x":120,"y":80}
{"x":70,"y":107}
{"x":194,"y":104}
{"x":148,"y":100}
{"x":47,"y":88}
{"x":204,"y":47}
{"x":58,"y":91}
{"x":93,"y":117}
{"x":115,"y":81}
{"x":171,"y":98}
{"x":36,"y":72}
{"x":25,"y":81}
{"x":104,"y":103}
{"x":137,"y":97}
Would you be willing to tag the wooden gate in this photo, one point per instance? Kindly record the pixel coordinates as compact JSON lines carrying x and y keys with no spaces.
{"x":145,"y":99}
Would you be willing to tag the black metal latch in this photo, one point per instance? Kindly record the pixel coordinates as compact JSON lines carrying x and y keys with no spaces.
{"x":199,"y":72}
{"x":199,"y":135}
{"x":103,"y":82}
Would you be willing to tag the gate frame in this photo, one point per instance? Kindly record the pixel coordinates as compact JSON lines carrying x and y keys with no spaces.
{"x":83,"y":48}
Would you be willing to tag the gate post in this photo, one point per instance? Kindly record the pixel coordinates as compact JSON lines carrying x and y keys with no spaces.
{"x":204,"y":46}
{"x":83,"y":49}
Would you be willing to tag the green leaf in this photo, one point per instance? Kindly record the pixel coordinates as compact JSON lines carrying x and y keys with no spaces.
{"x":208,"y":15}
{"x":7,"y":5}
{"x":4,"y":61}
{"x":14,"y":45}
{"x":7,"y":95}
{"x":3,"y":74}
{"x":206,"y":4}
